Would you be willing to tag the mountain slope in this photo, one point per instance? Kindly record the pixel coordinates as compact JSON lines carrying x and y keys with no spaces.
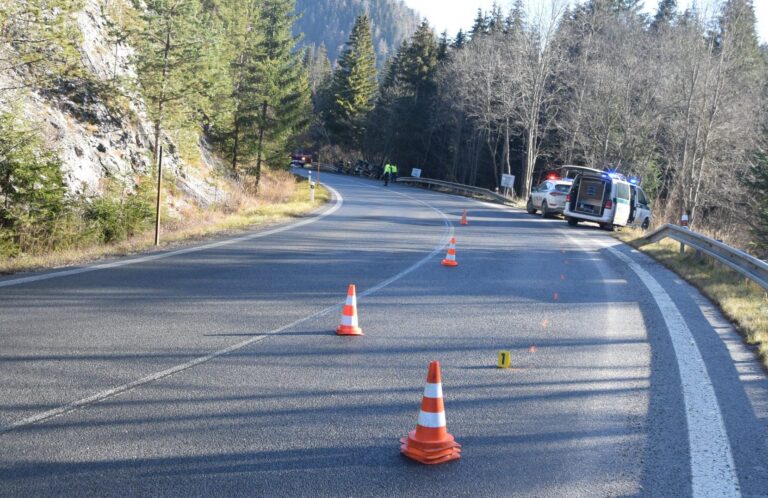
{"x":330,"y":22}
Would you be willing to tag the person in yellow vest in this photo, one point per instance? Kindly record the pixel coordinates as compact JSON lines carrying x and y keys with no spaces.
{"x":387,"y":173}
{"x":394,"y":173}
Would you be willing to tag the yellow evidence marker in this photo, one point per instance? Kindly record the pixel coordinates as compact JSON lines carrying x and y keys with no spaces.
{"x":505,"y":359}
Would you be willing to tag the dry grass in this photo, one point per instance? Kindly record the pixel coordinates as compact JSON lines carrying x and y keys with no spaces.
{"x":280,"y":198}
{"x":742,"y":301}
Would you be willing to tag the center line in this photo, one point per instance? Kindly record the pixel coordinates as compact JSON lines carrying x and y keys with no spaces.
{"x":100,"y":396}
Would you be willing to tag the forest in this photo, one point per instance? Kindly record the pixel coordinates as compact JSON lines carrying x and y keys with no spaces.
{"x":677,"y":99}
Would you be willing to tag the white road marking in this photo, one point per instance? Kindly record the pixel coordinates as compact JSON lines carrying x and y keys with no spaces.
{"x":100,"y":396}
{"x":713,"y":471}
{"x":144,"y":259}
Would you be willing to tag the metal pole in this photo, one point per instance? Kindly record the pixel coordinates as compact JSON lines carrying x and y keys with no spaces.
{"x":157,"y":209}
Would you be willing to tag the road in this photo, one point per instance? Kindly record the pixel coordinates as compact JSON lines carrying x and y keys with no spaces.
{"x":215,"y":370}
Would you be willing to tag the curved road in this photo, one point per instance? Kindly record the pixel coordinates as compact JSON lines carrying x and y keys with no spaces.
{"x":214,"y":370}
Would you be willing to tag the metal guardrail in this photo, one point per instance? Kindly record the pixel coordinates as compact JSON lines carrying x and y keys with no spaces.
{"x":457,"y":187}
{"x":749,"y":266}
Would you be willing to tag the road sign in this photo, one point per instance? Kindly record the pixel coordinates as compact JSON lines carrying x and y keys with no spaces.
{"x":508,"y":181}
{"x":416,"y":173}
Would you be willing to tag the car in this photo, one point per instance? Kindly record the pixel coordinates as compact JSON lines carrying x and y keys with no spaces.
{"x":603,"y":198}
{"x":549,"y":197}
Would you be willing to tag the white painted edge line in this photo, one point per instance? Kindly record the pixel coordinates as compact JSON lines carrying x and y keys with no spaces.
{"x":713,"y":471}
{"x":144,"y":259}
{"x":108,"y":393}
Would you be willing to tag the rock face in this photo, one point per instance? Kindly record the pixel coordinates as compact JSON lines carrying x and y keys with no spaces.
{"x":96,"y":140}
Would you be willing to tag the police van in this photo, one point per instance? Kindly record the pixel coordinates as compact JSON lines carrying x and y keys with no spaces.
{"x":608,"y":199}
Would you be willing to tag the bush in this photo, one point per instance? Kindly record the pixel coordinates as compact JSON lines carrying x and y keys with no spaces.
{"x":32,"y":189}
{"x":119,"y":215}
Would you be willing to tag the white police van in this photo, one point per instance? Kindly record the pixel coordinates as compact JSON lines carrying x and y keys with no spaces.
{"x":604,"y":198}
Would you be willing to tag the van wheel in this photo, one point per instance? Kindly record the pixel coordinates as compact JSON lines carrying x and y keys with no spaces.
{"x":529,"y":207}
{"x":646,"y":223}
{"x":607,"y":226}
{"x":544,"y":210}
{"x":573,"y":222}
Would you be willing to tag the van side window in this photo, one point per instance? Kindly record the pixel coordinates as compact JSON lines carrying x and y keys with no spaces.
{"x":622,"y":191}
{"x":641,"y":197}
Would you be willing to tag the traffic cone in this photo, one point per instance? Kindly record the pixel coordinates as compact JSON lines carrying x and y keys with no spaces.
{"x":450,"y":259}
{"x":464,"y":218}
{"x":349,"y":324}
{"x":430,"y":443}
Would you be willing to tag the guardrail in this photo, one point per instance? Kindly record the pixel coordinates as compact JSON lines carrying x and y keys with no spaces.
{"x":749,"y":266}
{"x":458,"y":188}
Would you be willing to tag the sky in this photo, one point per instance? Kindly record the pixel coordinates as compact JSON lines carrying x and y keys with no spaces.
{"x":453,"y":15}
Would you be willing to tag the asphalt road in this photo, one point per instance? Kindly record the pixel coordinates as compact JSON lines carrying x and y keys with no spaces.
{"x":216,"y":371}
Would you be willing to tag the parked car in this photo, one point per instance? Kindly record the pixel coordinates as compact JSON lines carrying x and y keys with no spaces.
{"x":604,"y":198}
{"x":549,"y":197}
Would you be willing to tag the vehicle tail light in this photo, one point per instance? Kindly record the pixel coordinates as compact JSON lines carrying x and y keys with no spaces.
{"x":609,"y":204}
{"x":568,"y":198}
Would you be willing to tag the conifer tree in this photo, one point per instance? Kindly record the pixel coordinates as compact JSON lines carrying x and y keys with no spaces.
{"x":171,"y":60}
{"x":354,"y":85}
{"x":460,"y":40}
{"x":443,"y":45}
{"x":277,"y":83}
{"x":665,"y":14}
{"x":481,"y":24}
{"x":757,"y":185}
{"x":32,"y":189}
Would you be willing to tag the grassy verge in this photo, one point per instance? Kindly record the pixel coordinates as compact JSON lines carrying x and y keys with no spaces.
{"x":203,"y":225}
{"x":743,"y":302}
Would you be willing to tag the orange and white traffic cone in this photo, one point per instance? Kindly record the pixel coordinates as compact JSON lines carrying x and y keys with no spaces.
{"x":464,"y":218}
{"x":430,"y":443}
{"x":349,"y":325}
{"x":450,"y":258}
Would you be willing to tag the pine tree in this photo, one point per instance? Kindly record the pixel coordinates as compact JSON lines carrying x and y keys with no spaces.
{"x":460,"y":40}
{"x":738,"y":24}
{"x":420,"y":64}
{"x":757,"y":185}
{"x":481,"y":24}
{"x":665,"y":14}
{"x":172,"y":61}
{"x":32,"y":189}
{"x":516,"y":19}
{"x":354,"y":85}
{"x":443,"y":45}
{"x":409,"y":92}
{"x":277,"y":83}
{"x":496,"y":21}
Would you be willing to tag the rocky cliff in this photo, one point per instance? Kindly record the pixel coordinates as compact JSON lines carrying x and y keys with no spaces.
{"x":100,"y":138}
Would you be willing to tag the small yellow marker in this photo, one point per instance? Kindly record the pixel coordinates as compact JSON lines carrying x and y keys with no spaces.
{"x":505,"y":359}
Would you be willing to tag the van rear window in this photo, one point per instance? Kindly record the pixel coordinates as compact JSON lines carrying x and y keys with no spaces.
{"x":622,"y":191}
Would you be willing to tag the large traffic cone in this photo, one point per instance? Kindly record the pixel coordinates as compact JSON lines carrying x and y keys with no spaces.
{"x":464,"y":218}
{"x":450,"y":259}
{"x":430,"y":443}
{"x":349,"y":324}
